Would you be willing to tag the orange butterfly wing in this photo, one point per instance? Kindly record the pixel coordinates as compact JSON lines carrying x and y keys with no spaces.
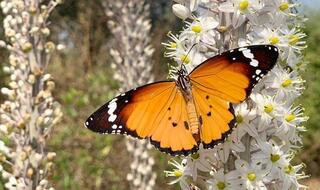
{"x":224,"y":79}
{"x":156,"y":111}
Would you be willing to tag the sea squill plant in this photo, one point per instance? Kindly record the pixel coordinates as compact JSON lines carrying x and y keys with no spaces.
{"x":131,"y":52}
{"x":29,"y":111}
{"x":259,"y":152}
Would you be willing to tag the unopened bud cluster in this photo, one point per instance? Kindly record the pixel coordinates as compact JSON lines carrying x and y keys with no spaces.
{"x":131,"y":52}
{"x":29,"y":111}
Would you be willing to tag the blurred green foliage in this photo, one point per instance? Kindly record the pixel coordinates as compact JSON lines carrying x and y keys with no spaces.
{"x":311,"y":98}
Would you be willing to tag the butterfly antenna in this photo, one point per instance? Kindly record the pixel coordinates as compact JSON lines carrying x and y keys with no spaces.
{"x":185,"y":58}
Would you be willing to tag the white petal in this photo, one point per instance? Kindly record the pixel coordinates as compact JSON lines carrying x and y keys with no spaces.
{"x":227,"y":7}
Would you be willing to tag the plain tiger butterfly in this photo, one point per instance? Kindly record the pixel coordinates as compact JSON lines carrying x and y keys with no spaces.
{"x":177,"y":116}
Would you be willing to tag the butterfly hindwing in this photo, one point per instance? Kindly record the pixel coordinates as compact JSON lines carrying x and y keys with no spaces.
{"x":156,"y":111}
{"x":217,"y":117}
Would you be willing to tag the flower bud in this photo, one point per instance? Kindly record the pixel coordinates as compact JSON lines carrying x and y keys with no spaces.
{"x":181,"y":11}
{"x":30,"y":173}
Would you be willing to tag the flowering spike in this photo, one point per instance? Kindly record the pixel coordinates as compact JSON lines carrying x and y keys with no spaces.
{"x":268,"y":126}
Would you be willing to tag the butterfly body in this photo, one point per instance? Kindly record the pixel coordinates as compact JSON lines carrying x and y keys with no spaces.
{"x":184,"y":85}
{"x":195,"y":109}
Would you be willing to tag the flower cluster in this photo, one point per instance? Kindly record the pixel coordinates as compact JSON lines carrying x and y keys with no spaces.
{"x":30,"y":111}
{"x":129,"y":22}
{"x":258,"y":153}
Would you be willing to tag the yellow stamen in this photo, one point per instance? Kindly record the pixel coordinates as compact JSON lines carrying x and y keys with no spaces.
{"x":284,"y":6}
{"x":274,"y":157}
{"x":251,"y":176}
{"x":221,"y":185}
{"x":196,"y":28}
{"x":268,"y":108}
{"x":293,"y":39}
{"x":286,"y":83}
{"x":177,"y":173}
{"x":195,"y":156}
{"x":173,"y":45}
{"x":274,"y":40}
{"x":243,"y":5}
{"x":239,"y":119}
{"x":288,"y":169}
{"x":290,"y":117}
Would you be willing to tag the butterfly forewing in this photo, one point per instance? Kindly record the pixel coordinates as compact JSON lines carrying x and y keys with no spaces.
{"x":233,"y":74}
{"x":156,"y":111}
{"x":224,"y":79}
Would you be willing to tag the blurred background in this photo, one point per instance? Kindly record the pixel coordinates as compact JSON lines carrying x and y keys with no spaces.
{"x":83,"y":78}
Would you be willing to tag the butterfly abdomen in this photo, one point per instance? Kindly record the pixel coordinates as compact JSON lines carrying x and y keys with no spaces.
{"x":193,"y":117}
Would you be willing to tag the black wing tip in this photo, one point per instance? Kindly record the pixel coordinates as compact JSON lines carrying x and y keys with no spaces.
{"x":92,"y":125}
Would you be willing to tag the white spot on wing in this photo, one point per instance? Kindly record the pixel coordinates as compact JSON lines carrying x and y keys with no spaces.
{"x":112,"y":118}
{"x":254,"y":63}
{"x":87,"y":123}
{"x":258,"y":71}
{"x":114,"y":126}
{"x":112,"y":107}
{"x":247,"y":53}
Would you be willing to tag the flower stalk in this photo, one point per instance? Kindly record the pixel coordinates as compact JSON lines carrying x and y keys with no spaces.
{"x":258,"y":153}
{"x":130,"y":24}
{"x":30,"y":111}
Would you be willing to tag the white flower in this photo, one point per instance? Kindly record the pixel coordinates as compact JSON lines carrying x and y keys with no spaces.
{"x":294,"y":40}
{"x":244,"y":117}
{"x":200,"y":161}
{"x":176,"y":44}
{"x":180,"y":172}
{"x":280,"y":7}
{"x":266,"y":35}
{"x":286,"y":86}
{"x":233,"y":143}
{"x":224,"y":181}
{"x":271,"y":157}
{"x":242,"y":10}
{"x":251,"y":175}
{"x":202,"y":29}
{"x":290,"y":119}
{"x":267,"y":107}
{"x":290,"y":176}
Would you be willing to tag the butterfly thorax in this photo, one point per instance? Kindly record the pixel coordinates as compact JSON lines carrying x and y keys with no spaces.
{"x":183,"y":83}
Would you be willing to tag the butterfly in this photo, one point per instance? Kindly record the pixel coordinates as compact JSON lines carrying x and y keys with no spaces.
{"x":197,"y":108}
